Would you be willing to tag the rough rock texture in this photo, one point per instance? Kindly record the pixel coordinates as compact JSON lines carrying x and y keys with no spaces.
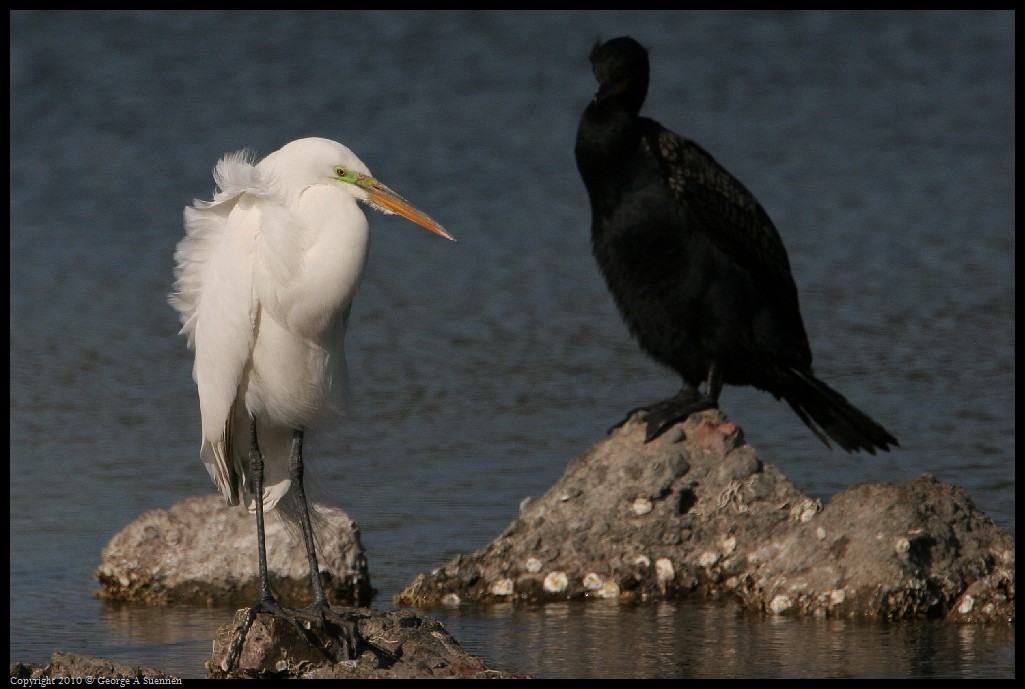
{"x":402,"y":644}
{"x":203,"y":552}
{"x":698,"y":512}
{"x":78,"y":667}
{"x":395,"y":645}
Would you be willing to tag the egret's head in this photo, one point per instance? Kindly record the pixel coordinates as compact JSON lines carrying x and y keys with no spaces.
{"x":305,"y":162}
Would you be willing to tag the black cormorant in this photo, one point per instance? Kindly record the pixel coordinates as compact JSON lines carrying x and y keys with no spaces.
{"x":695,"y":265}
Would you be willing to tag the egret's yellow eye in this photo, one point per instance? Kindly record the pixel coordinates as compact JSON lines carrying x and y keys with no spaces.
{"x":342,"y":172}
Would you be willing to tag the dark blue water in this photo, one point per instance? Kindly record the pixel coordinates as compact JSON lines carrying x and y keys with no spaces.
{"x":882,"y":144}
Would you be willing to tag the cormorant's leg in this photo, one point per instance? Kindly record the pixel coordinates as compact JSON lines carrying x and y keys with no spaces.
{"x":686,"y":392}
{"x":713,"y":384}
{"x":660,"y":416}
{"x":665,"y":414}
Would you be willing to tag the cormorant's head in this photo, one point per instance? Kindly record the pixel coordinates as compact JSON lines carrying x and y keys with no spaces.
{"x":621,"y":68}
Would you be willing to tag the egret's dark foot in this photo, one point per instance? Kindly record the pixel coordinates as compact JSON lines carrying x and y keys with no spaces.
{"x":334,"y":634}
{"x":342,"y":628}
{"x":268,"y":605}
{"x":661,"y":416}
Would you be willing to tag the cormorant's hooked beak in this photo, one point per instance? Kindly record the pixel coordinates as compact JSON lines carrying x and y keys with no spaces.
{"x":610,"y":88}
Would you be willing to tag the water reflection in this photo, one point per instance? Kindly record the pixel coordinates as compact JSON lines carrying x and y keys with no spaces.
{"x":178,"y":640}
{"x":607,"y":639}
{"x":717,"y":639}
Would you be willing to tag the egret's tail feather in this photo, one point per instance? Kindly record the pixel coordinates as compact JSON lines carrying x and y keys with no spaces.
{"x":222,"y":472}
{"x":227,"y":462}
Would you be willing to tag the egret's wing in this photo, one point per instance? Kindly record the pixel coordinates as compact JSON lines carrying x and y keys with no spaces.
{"x":205,"y":224}
{"x":214,"y":296}
{"x":282,"y":247}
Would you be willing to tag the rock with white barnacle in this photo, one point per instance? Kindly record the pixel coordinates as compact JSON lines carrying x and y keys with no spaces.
{"x":744,"y":532}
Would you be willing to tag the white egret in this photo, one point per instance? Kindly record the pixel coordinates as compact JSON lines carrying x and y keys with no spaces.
{"x":265,"y":279}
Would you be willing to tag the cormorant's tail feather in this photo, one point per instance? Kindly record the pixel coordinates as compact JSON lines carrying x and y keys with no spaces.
{"x":828,"y":413}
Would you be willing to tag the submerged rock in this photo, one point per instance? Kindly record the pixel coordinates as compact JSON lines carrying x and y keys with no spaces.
{"x":698,"y":512}
{"x":394,"y":645}
{"x":78,"y":667}
{"x":401,"y":644}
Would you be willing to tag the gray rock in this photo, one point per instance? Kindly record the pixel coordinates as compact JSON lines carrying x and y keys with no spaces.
{"x":704,"y":515}
{"x":402,"y":644}
{"x":200,"y":551}
{"x":203,"y":552}
{"x":78,"y":667}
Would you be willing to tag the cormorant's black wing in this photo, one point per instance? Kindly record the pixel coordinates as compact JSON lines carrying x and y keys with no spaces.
{"x":729,"y":213}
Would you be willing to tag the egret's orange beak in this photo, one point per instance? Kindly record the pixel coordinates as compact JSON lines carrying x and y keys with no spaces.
{"x":384,"y":199}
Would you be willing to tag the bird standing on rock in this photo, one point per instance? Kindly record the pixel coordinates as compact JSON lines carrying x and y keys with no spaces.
{"x":265,"y":279}
{"x":695,"y":265}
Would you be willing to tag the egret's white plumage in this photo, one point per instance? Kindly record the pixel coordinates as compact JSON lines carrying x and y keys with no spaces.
{"x":266,"y":275}
{"x":265,"y":278}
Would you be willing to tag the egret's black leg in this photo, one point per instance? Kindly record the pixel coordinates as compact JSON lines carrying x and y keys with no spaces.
{"x":333,"y":634}
{"x":256,"y":464}
{"x":295,"y":473}
{"x":342,"y":630}
{"x":346,"y":628}
{"x":267,"y":602}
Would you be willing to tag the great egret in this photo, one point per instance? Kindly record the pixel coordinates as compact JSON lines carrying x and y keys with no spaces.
{"x":695,"y":265}
{"x":265,"y":278}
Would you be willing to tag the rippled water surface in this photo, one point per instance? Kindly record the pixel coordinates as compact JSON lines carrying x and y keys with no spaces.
{"x":882,"y":144}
